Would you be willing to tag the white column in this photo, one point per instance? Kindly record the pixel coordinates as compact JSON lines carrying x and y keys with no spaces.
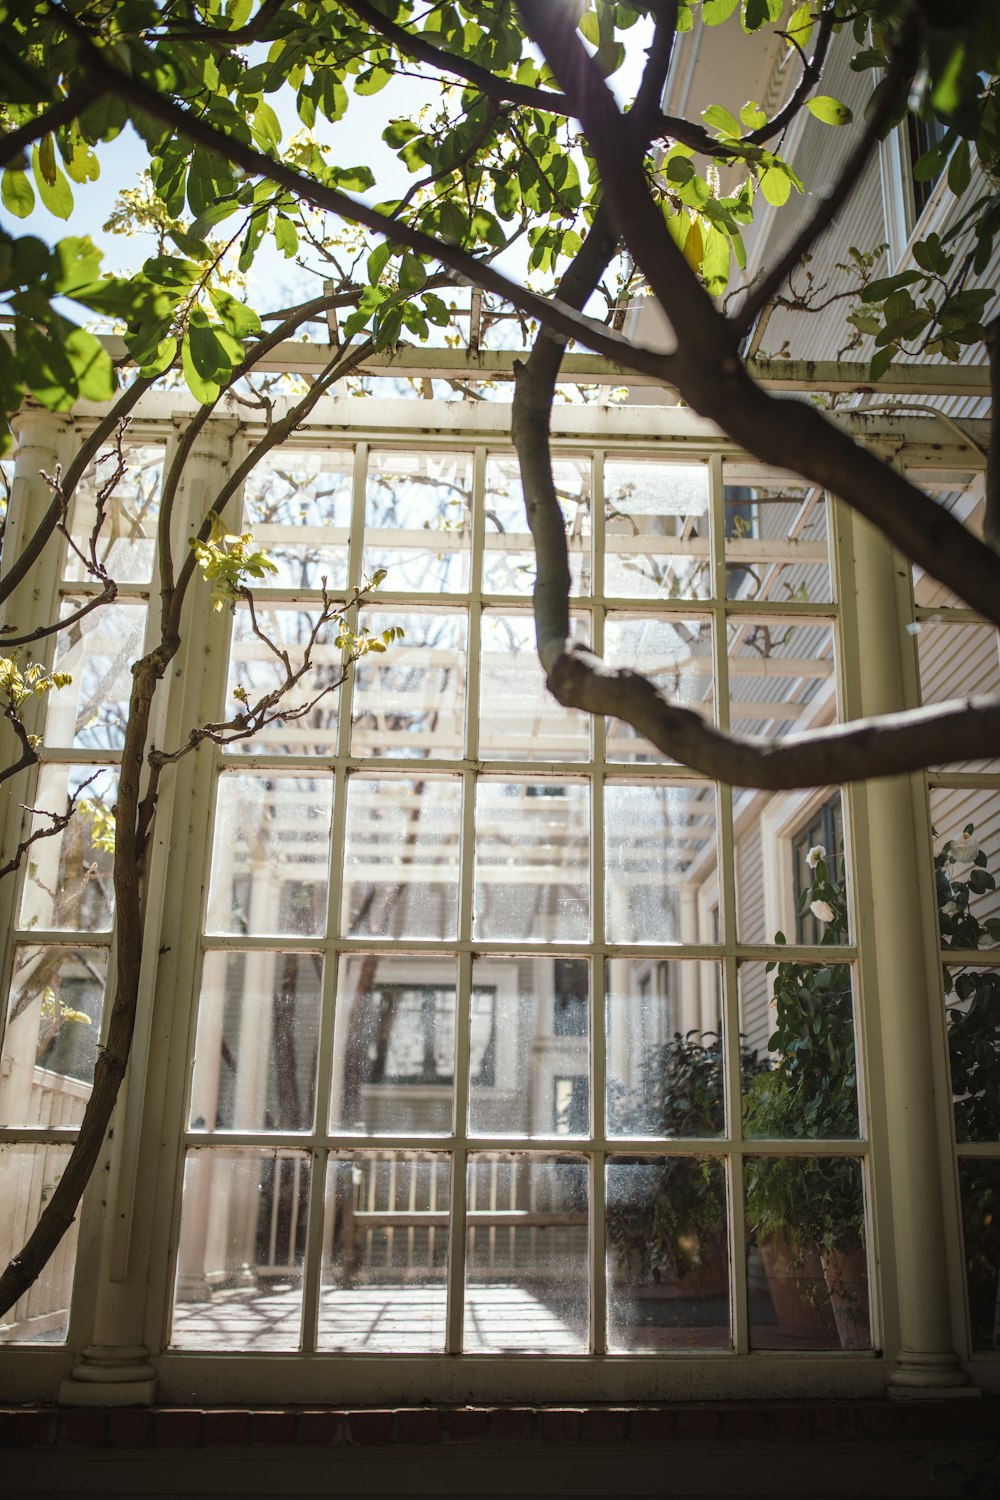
{"x":115,"y":1368}
{"x":895,"y":930}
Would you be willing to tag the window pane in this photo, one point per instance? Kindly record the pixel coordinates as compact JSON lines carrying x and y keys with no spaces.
{"x":665,"y":1074}
{"x":776,"y":536}
{"x":68,"y":875}
{"x":417,"y":520}
{"x":807,"y":1264}
{"x":304,"y":721}
{"x":98,"y":653}
{"x":972,"y":1002}
{"x":394,"y":1044}
{"x":527,"y":1252}
{"x":28,"y":1178}
{"x":958,"y":660}
{"x":967,"y":827}
{"x":411,"y":700}
{"x":537,"y":1081}
{"x":806,"y":1084}
{"x":782,"y":677}
{"x":518,"y":717}
{"x":675,"y":654}
{"x":298,"y":506}
{"x":532,"y":878}
{"x":401,"y":862}
{"x":656,"y":530}
{"x":126,"y":543}
{"x":242,"y":1244}
{"x":255,"y":1055}
{"x":668,"y":1256}
{"x":53,"y":1034}
{"x":270,"y":855}
{"x":781,"y":887}
{"x":979,"y":1179}
{"x":659,"y":842}
{"x":385,"y":1261}
{"x":509,"y":562}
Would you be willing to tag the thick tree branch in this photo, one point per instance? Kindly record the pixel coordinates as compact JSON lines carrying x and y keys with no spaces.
{"x":217,"y":35}
{"x":833,"y":201}
{"x":563,"y":320}
{"x":709,"y":373}
{"x":13,"y":142}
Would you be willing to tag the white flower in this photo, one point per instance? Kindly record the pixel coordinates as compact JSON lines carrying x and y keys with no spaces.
{"x":963,"y":851}
{"x":816,"y":853}
{"x":822,"y":911}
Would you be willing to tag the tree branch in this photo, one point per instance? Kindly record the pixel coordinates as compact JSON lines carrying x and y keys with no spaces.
{"x":13,"y":142}
{"x":215,"y":34}
{"x":832,"y":202}
{"x":106,"y":596}
{"x":709,"y":373}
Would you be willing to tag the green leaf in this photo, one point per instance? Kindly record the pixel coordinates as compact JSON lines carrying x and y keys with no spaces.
{"x":373,"y":80}
{"x":715,"y":261}
{"x":203,"y":390}
{"x":752,"y":115}
{"x":720,"y":119}
{"x":960,"y":169}
{"x":877,"y":291}
{"x":266,"y":126}
{"x":17,"y":193}
{"x":57,"y":194}
{"x":92,"y":366}
{"x":776,"y":186}
{"x":714,"y":12}
{"x":829,"y":110}
{"x":880,"y":363}
{"x":285,"y":236}
{"x":799,"y":28}
{"x":238,"y":320}
{"x":160,"y":358}
{"x":412,"y":275}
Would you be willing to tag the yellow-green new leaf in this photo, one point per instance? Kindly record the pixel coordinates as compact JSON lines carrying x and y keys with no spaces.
{"x":57,"y":194}
{"x":829,"y":110}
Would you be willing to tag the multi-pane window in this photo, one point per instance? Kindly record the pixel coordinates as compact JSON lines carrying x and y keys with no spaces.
{"x":487,"y":1070}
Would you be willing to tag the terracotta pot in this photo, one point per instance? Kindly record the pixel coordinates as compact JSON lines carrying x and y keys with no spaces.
{"x":846,"y":1274}
{"x":799,"y":1293}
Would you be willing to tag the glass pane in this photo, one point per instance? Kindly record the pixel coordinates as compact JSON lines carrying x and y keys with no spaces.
{"x":242,"y":1243}
{"x":668,"y":1255}
{"x":98,"y":653}
{"x":28,"y":1178}
{"x":791,"y":869}
{"x":533,"y":1078}
{"x":394,"y":1044}
{"x":68,"y":874}
{"x":53,"y":1034}
{"x":527,"y":1254}
{"x":304,"y":721}
{"x":509,"y":561}
{"x":411,"y":700}
{"x":532,"y":877}
{"x":126,"y":542}
{"x":656,"y":530}
{"x":967,"y":843}
{"x":255,"y":1055}
{"x":806,"y":1085}
{"x":270,"y":855}
{"x":664,"y":1073}
{"x":518,"y":717}
{"x":385,"y":1252}
{"x":298,"y":506}
{"x":675,"y":654}
{"x":782,"y":677}
{"x":776,"y":536}
{"x":972,"y":1002}
{"x":418,"y":520}
{"x":957,"y":661}
{"x":979,"y":1179}
{"x":401,"y":863}
{"x":807,"y":1265}
{"x":659,"y":846}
